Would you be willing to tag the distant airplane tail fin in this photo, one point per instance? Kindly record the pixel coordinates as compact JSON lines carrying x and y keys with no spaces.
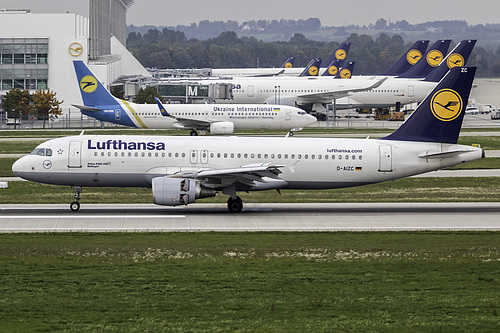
{"x":346,"y":71}
{"x":439,"y":117}
{"x":288,"y":63}
{"x":312,"y":69}
{"x":333,"y":69}
{"x":433,"y":58}
{"x":410,"y":58}
{"x":93,"y":92}
{"x":457,"y":58}
{"x":339,"y":54}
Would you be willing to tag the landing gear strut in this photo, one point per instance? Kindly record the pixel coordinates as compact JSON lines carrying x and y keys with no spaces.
{"x":234,"y":205}
{"x":75,"y":205}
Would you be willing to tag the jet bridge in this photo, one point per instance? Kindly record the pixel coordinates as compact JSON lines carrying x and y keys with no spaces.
{"x":190,"y":92}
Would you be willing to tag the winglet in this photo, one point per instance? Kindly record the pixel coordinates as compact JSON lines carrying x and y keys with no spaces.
{"x":163,"y":111}
{"x":439,"y":117}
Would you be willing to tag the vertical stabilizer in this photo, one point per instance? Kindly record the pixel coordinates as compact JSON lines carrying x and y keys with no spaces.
{"x":439,"y":117}
{"x":410,"y":58}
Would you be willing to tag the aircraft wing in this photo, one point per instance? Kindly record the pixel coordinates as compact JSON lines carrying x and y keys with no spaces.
{"x":183,"y":122}
{"x":328,"y":97}
{"x":261,"y":175}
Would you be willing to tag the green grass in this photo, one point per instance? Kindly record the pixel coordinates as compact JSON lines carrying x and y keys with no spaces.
{"x":467,"y":189}
{"x":250,"y":282}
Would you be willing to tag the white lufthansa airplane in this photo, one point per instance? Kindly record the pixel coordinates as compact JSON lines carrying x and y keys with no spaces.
{"x":183,"y":169}
{"x":216,"y":118}
{"x":358,"y":92}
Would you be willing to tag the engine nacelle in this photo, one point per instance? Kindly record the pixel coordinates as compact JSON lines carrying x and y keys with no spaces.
{"x":223,"y":127}
{"x":178,"y":191}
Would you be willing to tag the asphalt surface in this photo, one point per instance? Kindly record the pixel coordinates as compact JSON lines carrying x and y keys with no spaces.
{"x":255,"y":217}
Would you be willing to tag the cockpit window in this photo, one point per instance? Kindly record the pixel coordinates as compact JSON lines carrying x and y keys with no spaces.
{"x":42,"y":152}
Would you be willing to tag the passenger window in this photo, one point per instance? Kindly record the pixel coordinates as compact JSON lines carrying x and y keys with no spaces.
{"x":95,"y":153}
{"x":252,"y":155}
{"x":129,"y":154}
{"x":225,"y":155}
{"x":353,"y":157}
{"x":183,"y":154}
{"x":360,"y":157}
{"x":306,"y":156}
{"x":340,"y":157}
{"x":143,"y":154}
{"x":279,"y":156}
{"x":149,"y":154}
{"x":116,"y":153}
{"x":232,"y":155}
{"x":239,"y":155}
{"x":162,"y":154}
{"x":346,"y":157}
{"x":286,"y":156}
{"x":272,"y":155}
{"x":293,"y":156}
{"x":265,"y":156}
{"x":319,"y":157}
{"x":299,"y":156}
{"x":313,"y":156}
{"x":102,"y":153}
{"x":176,"y":154}
{"x":218,"y":155}
{"x":109,"y":153}
{"x":136,"y":154}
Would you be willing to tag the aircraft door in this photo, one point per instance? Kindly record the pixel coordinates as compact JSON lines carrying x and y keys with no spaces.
{"x":288,"y":114}
{"x":385,"y":159}
{"x":250,"y":91}
{"x":411,"y":91}
{"x":75,"y":154}
{"x":193,"y":156}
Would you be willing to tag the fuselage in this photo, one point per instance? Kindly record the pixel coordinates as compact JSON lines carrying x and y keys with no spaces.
{"x":242,"y":116}
{"x":283,"y":90}
{"x":307,"y":163}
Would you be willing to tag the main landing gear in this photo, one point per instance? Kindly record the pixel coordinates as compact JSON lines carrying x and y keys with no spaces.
{"x":75,"y":205}
{"x":193,"y":133}
{"x":234,"y":205}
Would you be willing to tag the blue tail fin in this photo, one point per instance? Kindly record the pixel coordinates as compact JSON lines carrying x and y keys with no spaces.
{"x":410,"y":58}
{"x":93,"y":92}
{"x":339,"y":54}
{"x":346,"y":71}
{"x":457,"y":58}
{"x":433,"y":58}
{"x":439,"y":117}
{"x":312,"y":69}
{"x":288,"y":63}
{"x":333,"y":68}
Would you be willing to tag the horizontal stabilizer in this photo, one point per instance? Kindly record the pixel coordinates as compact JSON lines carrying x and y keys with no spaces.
{"x":445,"y":153}
{"x":86,"y":108}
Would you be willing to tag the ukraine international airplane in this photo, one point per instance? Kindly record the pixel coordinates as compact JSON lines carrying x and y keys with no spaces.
{"x":183,"y":169}
{"x":216,"y":118}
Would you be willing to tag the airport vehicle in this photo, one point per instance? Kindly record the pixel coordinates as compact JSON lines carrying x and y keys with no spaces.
{"x":216,"y":118}
{"x":182,"y":169}
{"x":495,"y":113}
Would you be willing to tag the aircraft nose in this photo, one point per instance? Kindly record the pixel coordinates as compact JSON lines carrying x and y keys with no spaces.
{"x":18,"y":167}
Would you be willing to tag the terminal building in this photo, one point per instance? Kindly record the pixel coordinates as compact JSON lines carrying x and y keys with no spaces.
{"x":37,"y":49}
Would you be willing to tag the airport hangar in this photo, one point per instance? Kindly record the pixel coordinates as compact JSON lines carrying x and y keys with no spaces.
{"x":37,"y":49}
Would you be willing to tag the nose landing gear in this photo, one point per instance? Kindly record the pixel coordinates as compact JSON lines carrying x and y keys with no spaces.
{"x":75,"y":205}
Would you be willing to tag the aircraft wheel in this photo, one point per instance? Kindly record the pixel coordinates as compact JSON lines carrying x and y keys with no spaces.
{"x":291,"y":133}
{"x":193,"y":133}
{"x":74,"y":206}
{"x":235,"y":205}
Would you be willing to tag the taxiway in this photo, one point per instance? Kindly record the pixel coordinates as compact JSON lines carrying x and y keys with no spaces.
{"x":255,"y":217}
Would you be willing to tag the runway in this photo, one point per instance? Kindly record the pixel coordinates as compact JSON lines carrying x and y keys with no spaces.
{"x":255,"y":217}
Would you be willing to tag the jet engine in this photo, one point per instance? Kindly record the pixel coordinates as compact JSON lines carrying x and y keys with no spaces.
{"x":223,"y":127}
{"x":178,"y":191}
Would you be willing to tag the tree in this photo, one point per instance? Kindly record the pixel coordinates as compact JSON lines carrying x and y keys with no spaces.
{"x":118,"y":92}
{"x":17,"y":103}
{"x":46,"y":104}
{"x":146,"y":95}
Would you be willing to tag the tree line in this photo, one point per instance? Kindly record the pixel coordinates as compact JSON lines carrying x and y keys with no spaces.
{"x":171,"y":49}
{"x":42,"y":104}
